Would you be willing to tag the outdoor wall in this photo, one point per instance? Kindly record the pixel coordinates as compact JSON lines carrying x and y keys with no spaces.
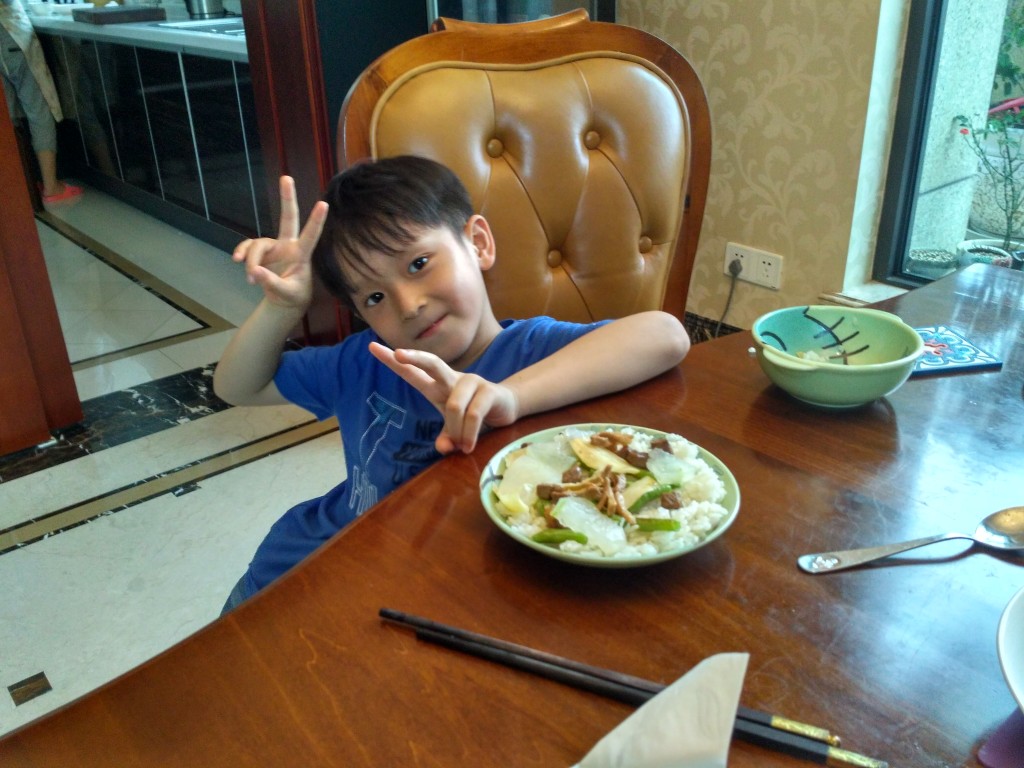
{"x":963,"y":87}
{"x":788,"y":85}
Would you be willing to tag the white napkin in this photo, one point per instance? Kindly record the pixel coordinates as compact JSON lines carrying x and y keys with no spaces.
{"x":689,"y":724}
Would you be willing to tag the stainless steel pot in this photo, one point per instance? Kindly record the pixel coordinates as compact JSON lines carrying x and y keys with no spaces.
{"x":205,"y":9}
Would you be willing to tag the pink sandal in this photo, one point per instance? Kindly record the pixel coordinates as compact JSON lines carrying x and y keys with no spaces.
{"x":70,"y":191}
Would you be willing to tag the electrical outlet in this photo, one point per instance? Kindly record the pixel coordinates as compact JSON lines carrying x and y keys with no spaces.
{"x":758,"y":267}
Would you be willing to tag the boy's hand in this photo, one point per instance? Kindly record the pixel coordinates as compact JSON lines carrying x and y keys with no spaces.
{"x":282,"y":266}
{"x":466,"y":400}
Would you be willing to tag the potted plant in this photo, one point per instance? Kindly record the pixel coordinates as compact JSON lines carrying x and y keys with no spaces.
{"x":998,"y":142}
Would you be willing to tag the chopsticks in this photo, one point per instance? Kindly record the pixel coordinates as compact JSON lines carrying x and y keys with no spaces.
{"x":771,"y":731}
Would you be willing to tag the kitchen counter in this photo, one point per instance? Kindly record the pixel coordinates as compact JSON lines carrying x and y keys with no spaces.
{"x":165,"y":119}
{"x":149,"y":34}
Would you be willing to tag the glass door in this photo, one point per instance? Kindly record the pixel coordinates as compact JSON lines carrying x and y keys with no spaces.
{"x":512,"y":11}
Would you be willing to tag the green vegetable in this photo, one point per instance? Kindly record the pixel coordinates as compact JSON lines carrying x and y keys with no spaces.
{"x":636,"y":489}
{"x":650,"y":496}
{"x":657,"y":524}
{"x":558,"y":535}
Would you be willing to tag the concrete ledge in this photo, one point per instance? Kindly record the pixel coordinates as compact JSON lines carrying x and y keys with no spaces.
{"x":860,"y":295}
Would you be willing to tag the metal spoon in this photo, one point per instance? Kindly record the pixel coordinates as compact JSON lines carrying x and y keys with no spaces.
{"x":1000,"y":530}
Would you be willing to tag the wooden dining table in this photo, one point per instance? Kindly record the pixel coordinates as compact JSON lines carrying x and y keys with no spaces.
{"x":899,"y":658}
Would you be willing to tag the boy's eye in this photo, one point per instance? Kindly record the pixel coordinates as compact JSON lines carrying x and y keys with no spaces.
{"x":418,"y":263}
{"x":374,"y":299}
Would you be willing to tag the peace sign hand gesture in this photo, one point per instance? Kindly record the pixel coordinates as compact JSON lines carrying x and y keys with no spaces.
{"x":469,"y":403}
{"x":282,"y":266}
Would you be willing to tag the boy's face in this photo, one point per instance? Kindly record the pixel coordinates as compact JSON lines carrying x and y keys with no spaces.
{"x":430,"y":295}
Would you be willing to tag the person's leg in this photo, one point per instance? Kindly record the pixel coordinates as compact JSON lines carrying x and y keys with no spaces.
{"x":18,"y":78}
{"x":48,"y":170}
{"x":239,"y":594}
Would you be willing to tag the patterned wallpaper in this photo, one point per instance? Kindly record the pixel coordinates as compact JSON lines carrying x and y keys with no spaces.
{"x":788,"y":84}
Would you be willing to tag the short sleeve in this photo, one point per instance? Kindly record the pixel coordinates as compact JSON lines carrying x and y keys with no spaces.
{"x":314,"y":378}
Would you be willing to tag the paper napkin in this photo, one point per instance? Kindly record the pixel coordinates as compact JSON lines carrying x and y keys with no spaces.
{"x":687,"y":725}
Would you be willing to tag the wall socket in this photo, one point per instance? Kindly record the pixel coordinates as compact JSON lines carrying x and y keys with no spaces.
{"x":759,"y":267}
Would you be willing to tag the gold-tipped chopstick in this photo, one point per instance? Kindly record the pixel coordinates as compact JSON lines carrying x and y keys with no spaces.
{"x":798,"y":739}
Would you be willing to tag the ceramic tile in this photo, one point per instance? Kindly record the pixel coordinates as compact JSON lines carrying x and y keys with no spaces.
{"x":121,"y":417}
{"x":93,"y":474}
{"x":95,"y":599}
{"x":202,"y":272}
{"x":176,"y":324}
{"x":90,"y":604}
{"x":118,"y":328}
{"x":121,"y":374}
{"x":200,"y":351}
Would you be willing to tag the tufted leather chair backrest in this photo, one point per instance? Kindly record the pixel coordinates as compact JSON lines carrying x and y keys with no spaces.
{"x":576,"y":146}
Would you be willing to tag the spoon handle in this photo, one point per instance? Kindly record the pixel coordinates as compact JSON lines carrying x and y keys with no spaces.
{"x":826,"y":562}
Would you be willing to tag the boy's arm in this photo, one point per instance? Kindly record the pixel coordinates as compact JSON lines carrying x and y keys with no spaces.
{"x":245,"y":373}
{"x":609,"y":358}
{"x":613,"y":357}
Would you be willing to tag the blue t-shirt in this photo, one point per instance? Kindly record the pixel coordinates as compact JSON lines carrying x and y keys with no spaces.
{"x":387,"y":427}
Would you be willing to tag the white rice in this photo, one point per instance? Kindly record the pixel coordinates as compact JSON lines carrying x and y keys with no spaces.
{"x":699,"y":516}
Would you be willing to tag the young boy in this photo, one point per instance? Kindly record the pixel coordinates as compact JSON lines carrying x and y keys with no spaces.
{"x":400,"y":244}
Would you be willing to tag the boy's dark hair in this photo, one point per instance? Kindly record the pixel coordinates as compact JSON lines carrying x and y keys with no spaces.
{"x":381,"y":206}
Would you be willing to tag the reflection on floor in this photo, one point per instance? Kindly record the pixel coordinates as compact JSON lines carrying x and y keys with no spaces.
{"x":125,"y":534}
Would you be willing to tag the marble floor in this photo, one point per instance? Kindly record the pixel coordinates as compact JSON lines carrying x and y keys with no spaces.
{"x":125,"y":533}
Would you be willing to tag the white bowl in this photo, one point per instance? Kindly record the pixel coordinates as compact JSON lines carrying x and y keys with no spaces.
{"x":1010,"y":645}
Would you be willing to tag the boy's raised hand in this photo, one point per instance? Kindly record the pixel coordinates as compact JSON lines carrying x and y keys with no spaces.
{"x":467,"y":401}
{"x":282,"y":266}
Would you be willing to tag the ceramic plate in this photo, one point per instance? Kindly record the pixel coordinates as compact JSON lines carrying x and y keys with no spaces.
{"x":492,"y":476}
{"x":1010,"y":644}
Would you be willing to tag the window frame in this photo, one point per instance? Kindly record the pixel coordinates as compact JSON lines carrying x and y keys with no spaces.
{"x":910,"y":127}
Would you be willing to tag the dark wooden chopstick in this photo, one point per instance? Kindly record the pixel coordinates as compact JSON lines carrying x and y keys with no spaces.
{"x":753,"y":732}
{"x":639,"y":683}
{"x":751,"y":725}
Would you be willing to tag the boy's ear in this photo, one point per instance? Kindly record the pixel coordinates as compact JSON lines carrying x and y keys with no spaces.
{"x":482,"y":239}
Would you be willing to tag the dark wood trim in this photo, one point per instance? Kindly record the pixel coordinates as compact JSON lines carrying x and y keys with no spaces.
{"x":284,"y":62}
{"x":291,"y":113}
{"x":37,"y":388}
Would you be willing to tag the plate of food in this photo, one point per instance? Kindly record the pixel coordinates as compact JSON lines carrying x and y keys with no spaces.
{"x":1010,"y":645}
{"x":609,"y":495}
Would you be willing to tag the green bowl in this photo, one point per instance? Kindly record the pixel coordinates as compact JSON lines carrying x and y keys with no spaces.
{"x":836,"y":357}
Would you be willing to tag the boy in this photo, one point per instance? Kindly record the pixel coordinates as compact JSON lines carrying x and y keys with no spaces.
{"x":400,"y":244}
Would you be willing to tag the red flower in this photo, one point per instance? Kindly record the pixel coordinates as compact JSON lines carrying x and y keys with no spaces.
{"x":964,"y":131}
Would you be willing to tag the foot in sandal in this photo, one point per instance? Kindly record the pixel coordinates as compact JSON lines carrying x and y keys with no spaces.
{"x":63,"y":192}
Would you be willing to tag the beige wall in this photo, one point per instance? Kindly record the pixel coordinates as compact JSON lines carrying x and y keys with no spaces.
{"x":788,"y":83}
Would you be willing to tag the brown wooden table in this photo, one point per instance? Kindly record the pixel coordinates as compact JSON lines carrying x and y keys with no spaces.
{"x":899,"y":659}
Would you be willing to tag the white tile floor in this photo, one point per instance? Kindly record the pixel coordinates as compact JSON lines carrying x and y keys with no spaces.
{"x":86,"y":605}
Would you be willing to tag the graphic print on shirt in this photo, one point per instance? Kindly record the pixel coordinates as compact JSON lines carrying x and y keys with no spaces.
{"x":364,"y":493}
{"x":417,"y":453}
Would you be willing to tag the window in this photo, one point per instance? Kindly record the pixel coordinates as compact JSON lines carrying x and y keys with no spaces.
{"x":961,"y":57}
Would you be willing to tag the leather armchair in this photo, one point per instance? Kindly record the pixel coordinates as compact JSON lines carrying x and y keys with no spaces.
{"x":586,"y":145}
